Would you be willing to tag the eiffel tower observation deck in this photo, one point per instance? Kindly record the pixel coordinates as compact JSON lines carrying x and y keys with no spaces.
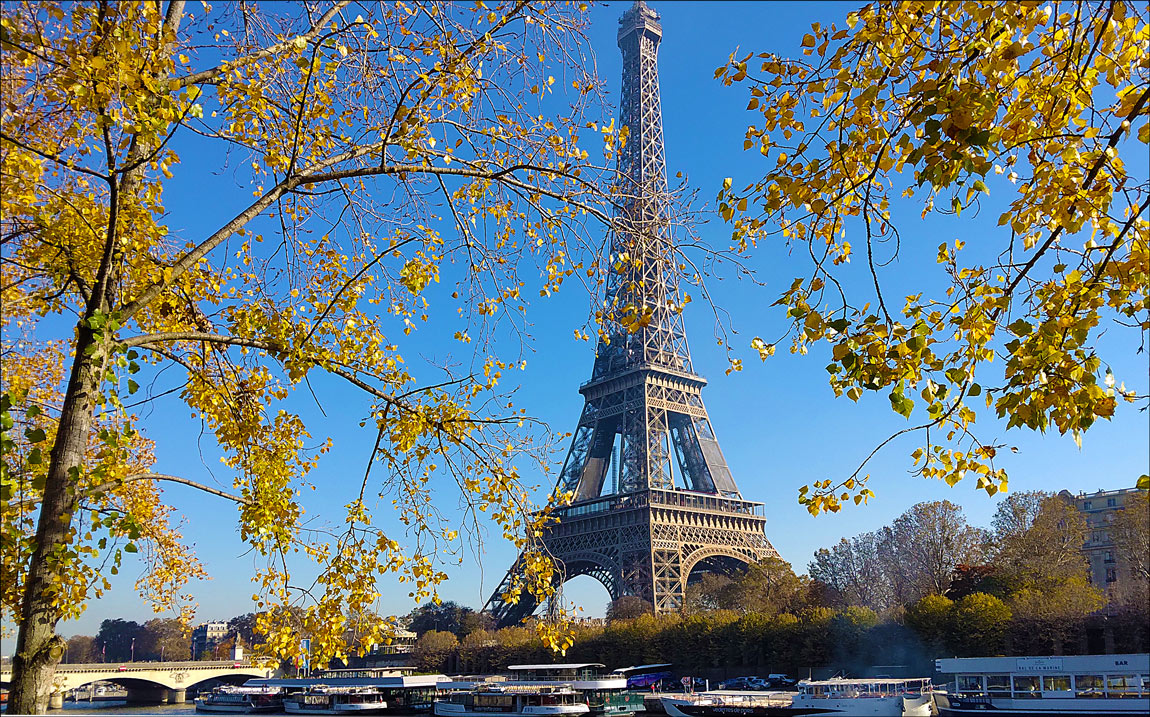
{"x":654,"y":500}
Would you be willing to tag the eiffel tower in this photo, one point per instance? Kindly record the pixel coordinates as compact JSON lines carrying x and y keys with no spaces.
{"x":672,"y":506}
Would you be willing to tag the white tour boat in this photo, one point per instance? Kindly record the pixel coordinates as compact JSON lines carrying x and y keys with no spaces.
{"x":325,"y":700}
{"x":910,"y":697}
{"x":241,"y":700}
{"x":1030,"y":686}
{"x":513,"y":700}
{"x":884,"y":697}
{"x":606,"y":695}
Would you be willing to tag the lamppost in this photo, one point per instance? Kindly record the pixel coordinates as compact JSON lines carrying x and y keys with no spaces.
{"x":162,"y":648}
{"x":133,"y":649}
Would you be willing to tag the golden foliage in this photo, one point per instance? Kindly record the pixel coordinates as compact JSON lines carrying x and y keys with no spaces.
{"x":381,"y":152}
{"x":943,"y":103}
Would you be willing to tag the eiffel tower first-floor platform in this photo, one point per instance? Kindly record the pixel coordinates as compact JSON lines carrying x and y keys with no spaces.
{"x":646,"y":544}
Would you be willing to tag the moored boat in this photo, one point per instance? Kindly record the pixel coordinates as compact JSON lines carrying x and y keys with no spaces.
{"x":879,"y":697}
{"x":403,"y":695}
{"x":883,"y":696}
{"x":325,"y":700}
{"x":1054,"y":685}
{"x":513,"y":700}
{"x":730,"y":703}
{"x":241,"y":700}
{"x":606,"y":695}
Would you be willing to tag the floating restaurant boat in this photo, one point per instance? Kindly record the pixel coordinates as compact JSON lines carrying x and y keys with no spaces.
{"x":513,"y":700}
{"x":1031,"y":686}
{"x":241,"y":700}
{"x":604,"y":694}
{"x":880,"y":697}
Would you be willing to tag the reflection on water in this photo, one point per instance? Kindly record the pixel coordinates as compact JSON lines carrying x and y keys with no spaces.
{"x":114,"y":707}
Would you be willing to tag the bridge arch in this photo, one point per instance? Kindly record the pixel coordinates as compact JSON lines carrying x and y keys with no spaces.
{"x":149,"y":681}
{"x":725,"y":561}
{"x":595,"y":565}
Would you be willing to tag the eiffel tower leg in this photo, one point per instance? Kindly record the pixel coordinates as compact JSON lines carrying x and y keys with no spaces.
{"x":668,"y":582}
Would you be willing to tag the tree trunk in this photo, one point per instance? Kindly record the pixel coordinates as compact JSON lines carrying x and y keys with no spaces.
{"x":38,"y":648}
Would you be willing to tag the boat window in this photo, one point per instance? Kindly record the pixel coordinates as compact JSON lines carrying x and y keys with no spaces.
{"x":970,"y":683}
{"x":1026,"y":686}
{"x":1089,"y":685}
{"x":1056,"y":683}
{"x":1122,"y":686}
{"x":998,"y":686}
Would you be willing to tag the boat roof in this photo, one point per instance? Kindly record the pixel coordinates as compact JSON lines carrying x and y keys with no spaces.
{"x":392,"y":682}
{"x":1034,"y":665}
{"x":567,"y":666}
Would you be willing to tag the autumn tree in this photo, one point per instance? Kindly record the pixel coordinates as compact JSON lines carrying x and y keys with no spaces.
{"x":1131,"y":534}
{"x":930,"y":617}
{"x":380,"y":148}
{"x":164,"y":639}
{"x":1047,"y":617}
{"x":853,"y":568}
{"x":1038,"y":540}
{"x":81,"y":649}
{"x":978,"y":624}
{"x":925,"y":544}
{"x":627,"y":607}
{"x":1033,"y":114}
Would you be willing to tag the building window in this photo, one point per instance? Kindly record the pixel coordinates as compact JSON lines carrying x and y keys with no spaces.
{"x":1086,"y":505}
{"x":1111,"y":502}
{"x":1108,"y":556}
{"x":1111,"y":575}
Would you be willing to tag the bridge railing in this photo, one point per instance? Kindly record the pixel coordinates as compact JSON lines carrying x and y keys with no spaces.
{"x":153,"y":666}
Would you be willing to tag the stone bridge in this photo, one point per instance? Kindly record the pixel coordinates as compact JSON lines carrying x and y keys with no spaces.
{"x":150,"y":681}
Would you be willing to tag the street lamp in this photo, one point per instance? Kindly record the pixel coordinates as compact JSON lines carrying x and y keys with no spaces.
{"x":162,"y":648}
{"x":133,"y":649}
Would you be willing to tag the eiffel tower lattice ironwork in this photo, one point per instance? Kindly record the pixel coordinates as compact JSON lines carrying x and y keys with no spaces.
{"x":672,"y":505}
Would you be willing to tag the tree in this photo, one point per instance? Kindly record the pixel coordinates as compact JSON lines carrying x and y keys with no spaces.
{"x":930,"y":617}
{"x":433,"y":649}
{"x":1038,"y":540}
{"x":925,"y":544}
{"x":1131,"y":534}
{"x":118,"y":640}
{"x":769,"y":587}
{"x":854,"y":569}
{"x":628,"y":607}
{"x":379,"y":148}
{"x":245,"y":627}
{"x":1046,"y":617}
{"x":81,"y":649}
{"x":444,"y":616}
{"x":164,"y":639}
{"x":978,"y":624}
{"x":1033,"y":113}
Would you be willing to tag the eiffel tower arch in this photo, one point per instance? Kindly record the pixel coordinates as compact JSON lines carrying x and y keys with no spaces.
{"x":654,"y":498}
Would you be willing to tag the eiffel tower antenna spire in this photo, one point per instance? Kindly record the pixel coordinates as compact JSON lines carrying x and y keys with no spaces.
{"x":672,"y":507}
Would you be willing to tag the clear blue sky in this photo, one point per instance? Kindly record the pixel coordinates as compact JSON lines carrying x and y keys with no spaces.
{"x":778,"y":422}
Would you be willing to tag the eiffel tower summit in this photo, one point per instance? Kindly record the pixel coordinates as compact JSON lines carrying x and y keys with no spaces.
{"x":654,"y":500}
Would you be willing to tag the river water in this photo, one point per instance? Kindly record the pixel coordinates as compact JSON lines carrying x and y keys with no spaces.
{"x":73,"y":709}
